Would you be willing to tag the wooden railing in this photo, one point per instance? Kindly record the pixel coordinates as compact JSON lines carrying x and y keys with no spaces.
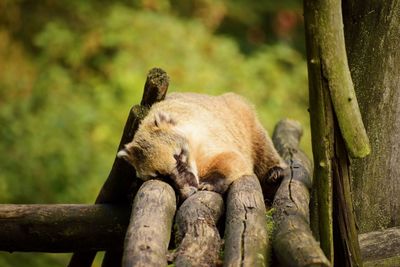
{"x":133,"y":221}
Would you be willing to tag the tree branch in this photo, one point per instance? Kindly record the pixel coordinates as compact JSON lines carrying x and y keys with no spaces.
{"x":329,"y":32}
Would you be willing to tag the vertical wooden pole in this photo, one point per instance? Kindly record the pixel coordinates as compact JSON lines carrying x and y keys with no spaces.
{"x":121,"y":184}
{"x":337,"y":130}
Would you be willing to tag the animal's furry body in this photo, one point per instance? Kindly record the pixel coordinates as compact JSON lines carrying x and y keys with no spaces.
{"x":202,"y":141}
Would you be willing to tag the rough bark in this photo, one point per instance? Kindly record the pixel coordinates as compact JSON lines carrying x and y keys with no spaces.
{"x":149,"y":230}
{"x":335,"y":120}
{"x":155,"y":88}
{"x":197,"y":234}
{"x":379,"y":245}
{"x":121,"y":184}
{"x":62,"y":228}
{"x":321,"y":113}
{"x":372,"y":31}
{"x":335,"y":69}
{"x":246,"y":237}
{"x":293,"y":242}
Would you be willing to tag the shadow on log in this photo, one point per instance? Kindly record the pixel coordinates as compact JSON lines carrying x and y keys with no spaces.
{"x":121,"y":184}
{"x":197,"y":234}
{"x":149,"y":231}
{"x":293,"y":242}
{"x":246,"y":238}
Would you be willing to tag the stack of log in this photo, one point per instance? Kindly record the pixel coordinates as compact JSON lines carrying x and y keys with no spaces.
{"x":133,"y":221}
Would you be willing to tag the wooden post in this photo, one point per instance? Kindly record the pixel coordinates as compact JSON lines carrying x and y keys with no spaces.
{"x":246,"y":237}
{"x":337,"y":130}
{"x":121,"y":184}
{"x":149,"y":230}
{"x":197,"y":233}
{"x":293,"y":242}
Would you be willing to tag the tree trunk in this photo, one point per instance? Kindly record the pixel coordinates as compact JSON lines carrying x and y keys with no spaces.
{"x":372,"y":31}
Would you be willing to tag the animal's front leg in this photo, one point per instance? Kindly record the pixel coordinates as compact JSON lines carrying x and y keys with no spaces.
{"x":216,"y":182}
{"x":185,"y":181}
{"x":222,"y":170}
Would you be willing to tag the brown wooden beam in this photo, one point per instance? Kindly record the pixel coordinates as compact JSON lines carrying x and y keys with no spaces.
{"x":149,"y":231}
{"x":196,"y":230}
{"x":62,"y":228}
{"x":293,"y":242}
{"x":246,"y":237}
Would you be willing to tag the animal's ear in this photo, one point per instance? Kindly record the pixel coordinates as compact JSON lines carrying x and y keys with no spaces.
{"x":161,"y":118}
{"x":131,"y":153}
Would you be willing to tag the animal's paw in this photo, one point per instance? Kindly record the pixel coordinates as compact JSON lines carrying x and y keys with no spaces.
{"x":218,"y":187}
{"x":206,"y":187}
{"x":275,"y":175}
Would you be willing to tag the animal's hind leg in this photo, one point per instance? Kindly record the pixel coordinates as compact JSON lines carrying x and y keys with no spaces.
{"x":222,"y":170}
{"x":268,"y":165}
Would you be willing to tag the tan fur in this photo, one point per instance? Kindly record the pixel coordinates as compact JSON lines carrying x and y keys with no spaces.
{"x":221,"y":134}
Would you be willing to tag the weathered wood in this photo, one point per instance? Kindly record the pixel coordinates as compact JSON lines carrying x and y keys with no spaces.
{"x":121,"y":184}
{"x":321,"y":114}
{"x":380,"y":245}
{"x":197,"y":234}
{"x":330,"y":82}
{"x":246,"y":237}
{"x":62,"y":228}
{"x":155,"y":88}
{"x":335,"y":69}
{"x":149,"y":230}
{"x":293,"y":242}
{"x":387,"y":262}
{"x":347,"y":248}
{"x":372,"y":31}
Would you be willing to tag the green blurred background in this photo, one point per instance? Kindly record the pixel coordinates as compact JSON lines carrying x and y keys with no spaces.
{"x":70,"y":71}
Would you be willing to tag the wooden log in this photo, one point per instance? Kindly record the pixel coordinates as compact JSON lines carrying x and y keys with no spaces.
{"x":382,"y":245}
{"x":293,"y":242}
{"x":149,"y":230}
{"x":121,"y":184}
{"x":155,"y":88}
{"x":246,"y":238}
{"x":62,"y":228}
{"x":197,"y":232}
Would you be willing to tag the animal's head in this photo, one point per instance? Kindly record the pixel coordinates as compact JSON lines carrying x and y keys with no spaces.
{"x":158,"y":150}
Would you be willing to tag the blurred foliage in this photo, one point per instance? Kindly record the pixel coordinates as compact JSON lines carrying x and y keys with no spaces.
{"x":70,"y":70}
